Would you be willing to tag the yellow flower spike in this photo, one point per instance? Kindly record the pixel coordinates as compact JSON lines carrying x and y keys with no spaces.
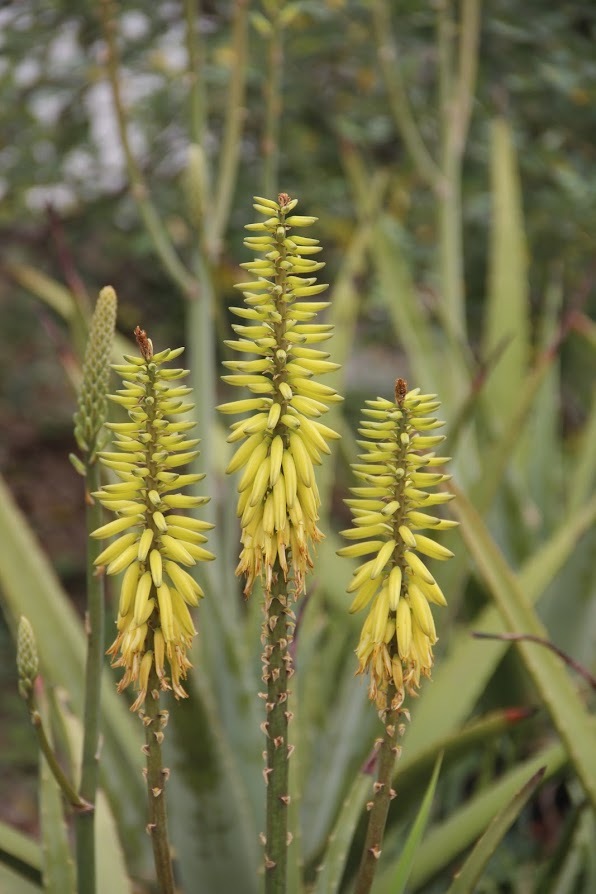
{"x":395,"y":584}
{"x":154,"y":626}
{"x":279,"y":513}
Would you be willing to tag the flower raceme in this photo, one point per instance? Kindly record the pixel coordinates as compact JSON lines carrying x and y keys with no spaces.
{"x":397,"y":471}
{"x":154,"y":541}
{"x":282,"y":437}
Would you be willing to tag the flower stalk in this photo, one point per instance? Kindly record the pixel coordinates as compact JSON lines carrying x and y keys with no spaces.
{"x":397,"y":470}
{"x":28,"y":670}
{"x":89,"y":420}
{"x":283,"y":440}
{"x":154,"y":546}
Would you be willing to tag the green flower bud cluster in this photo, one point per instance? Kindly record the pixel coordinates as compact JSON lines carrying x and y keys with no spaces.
{"x":397,"y":471}
{"x":283,"y":437}
{"x":27,"y":658}
{"x":92,"y":409}
{"x":154,"y":541}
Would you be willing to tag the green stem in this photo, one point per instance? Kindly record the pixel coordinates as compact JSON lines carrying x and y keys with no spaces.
{"x":456,"y":90}
{"x":58,"y":773}
{"x":95,"y":623}
{"x":155,"y":722}
{"x":234,"y":119}
{"x":379,"y":806}
{"x":273,"y":106}
{"x":140,"y":193}
{"x":276,"y":671}
{"x":195,"y":73}
{"x":398,"y":99}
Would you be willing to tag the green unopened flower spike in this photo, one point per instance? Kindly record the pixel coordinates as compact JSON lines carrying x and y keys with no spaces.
{"x":27,"y":658}
{"x":282,"y":436}
{"x":397,"y":472}
{"x":91,"y":413}
{"x":153,"y":540}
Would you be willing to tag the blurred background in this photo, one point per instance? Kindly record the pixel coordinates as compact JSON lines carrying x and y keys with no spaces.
{"x":449,"y":152}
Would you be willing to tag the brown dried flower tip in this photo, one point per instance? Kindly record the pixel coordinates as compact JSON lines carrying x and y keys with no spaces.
{"x":401,"y":389}
{"x":283,"y":199}
{"x":145,"y":344}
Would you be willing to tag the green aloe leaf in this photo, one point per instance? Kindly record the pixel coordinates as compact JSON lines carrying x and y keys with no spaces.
{"x":471,"y":871}
{"x":402,"y":870}
{"x":16,"y":884}
{"x":112,"y":874}
{"x":211,"y":819}
{"x":336,"y":853}
{"x":449,"y":838}
{"x":20,"y":854}
{"x":57,"y":862}
{"x":550,"y":677}
{"x":508,"y":308}
{"x":452,"y":682}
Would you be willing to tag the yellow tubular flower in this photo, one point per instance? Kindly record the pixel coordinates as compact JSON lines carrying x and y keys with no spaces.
{"x":282,"y":438}
{"x":394,"y":583}
{"x":153,"y":620}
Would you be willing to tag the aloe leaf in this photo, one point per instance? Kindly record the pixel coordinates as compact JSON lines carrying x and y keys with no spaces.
{"x":452,"y":682}
{"x":112,"y":874}
{"x":211,"y":817}
{"x":402,"y":870}
{"x":336,"y":853}
{"x":472,"y":869}
{"x":16,"y":884}
{"x":508,"y":308}
{"x":573,"y":861}
{"x":583,"y":469}
{"x":413,"y":767}
{"x":28,"y":586}
{"x":20,"y":854}
{"x":453,"y":835}
{"x":58,"y":867}
{"x":551,"y":679}
{"x":333,"y":702}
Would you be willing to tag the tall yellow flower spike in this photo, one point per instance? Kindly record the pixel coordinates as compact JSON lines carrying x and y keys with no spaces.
{"x":399,"y":631}
{"x":283,"y":437}
{"x":154,"y":542}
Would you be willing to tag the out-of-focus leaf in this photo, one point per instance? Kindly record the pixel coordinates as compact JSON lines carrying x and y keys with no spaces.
{"x":57,"y":863}
{"x":453,"y":835}
{"x":583,"y":469}
{"x":16,"y":884}
{"x":508,"y":309}
{"x":471,"y":871}
{"x":571,"y":869}
{"x":211,"y":819}
{"x":330,"y":875}
{"x":112,"y":874}
{"x":452,"y":682}
{"x":48,"y":290}
{"x":398,"y":876}
{"x":550,"y":677}
{"x":28,"y":586}
{"x":20,"y":854}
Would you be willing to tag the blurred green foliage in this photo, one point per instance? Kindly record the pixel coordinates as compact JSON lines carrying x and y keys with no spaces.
{"x":523,"y":451}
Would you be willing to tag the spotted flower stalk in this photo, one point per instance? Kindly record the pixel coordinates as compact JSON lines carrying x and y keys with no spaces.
{"x":155,"y":544}
{"x":398,"y":470}
{"x":280,"y":441}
